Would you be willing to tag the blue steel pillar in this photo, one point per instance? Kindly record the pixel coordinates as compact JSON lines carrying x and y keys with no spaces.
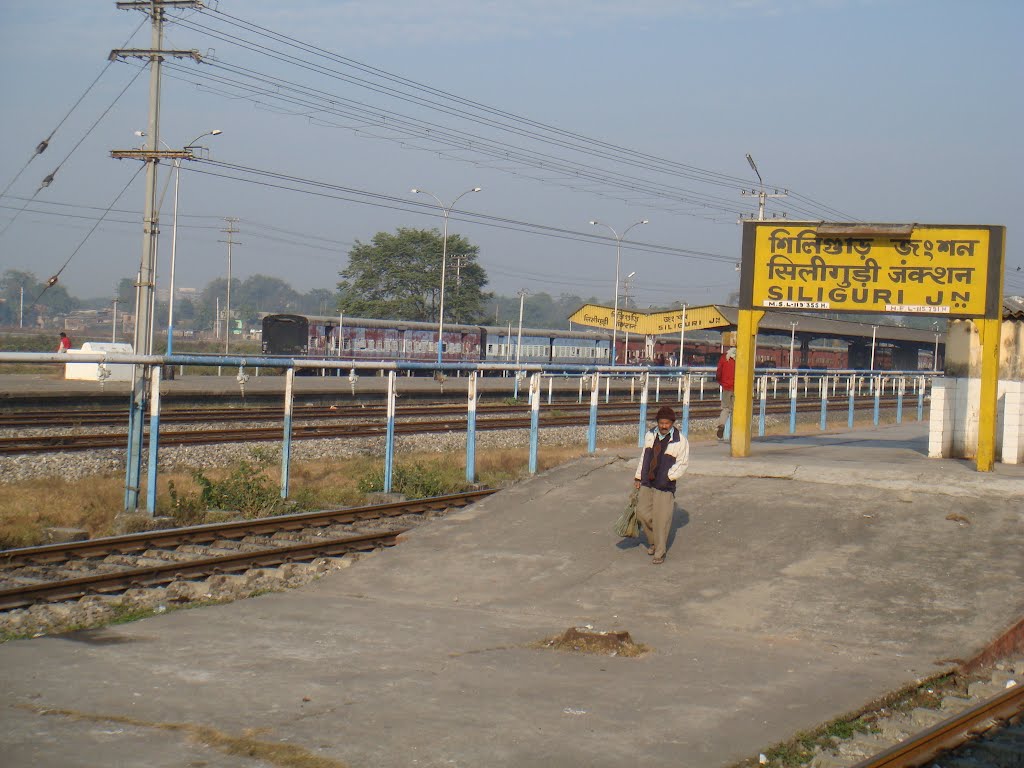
{"x":686,"y":407}
{"x":794,"y":386}
{"x":389,"y":440}
{"x":851,"y":391}
{"x":878,"y":395}
{"x":286,"y":442}
{"x":471,"y":428}
{"x":644,"y":393}
{"x":920,"y":398}
{"x":824,"y":402}
{"x":899,"y":399}
{"x":534,"y":420}
{"x":762,"y":405}
{"x":595,"y":391}
{"x":154,"y":438}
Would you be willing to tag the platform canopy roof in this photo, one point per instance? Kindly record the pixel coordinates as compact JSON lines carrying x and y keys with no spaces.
{"x":666,"y":322}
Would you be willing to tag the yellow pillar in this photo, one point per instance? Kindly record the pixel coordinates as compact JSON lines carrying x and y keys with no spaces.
{"x":743,"y":408}
{"x":989,"y":336}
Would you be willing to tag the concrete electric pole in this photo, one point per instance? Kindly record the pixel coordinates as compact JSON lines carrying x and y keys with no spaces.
{"x":155,"y":54}
{"x":231,"y":220}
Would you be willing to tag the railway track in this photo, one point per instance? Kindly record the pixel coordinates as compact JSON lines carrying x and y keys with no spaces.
{"x":156,"y":558}
{"x":985,"y":732}
{"x":436,"y":419}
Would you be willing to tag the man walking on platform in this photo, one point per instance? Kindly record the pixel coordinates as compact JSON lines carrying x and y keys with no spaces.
{"x":664,"y":459}
{"x":725,"y":375}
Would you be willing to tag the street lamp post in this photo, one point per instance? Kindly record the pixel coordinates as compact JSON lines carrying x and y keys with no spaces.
{"x":792,"y":339}
{"x":874,"y":329}
{"x":444,"y":257}
{"x":618,"y":254}
{"x":174,"y":238}
{"x":760,"y":198}
{"x":935,"y":355}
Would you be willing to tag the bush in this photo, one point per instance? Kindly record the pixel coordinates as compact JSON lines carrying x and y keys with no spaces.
{"x":417,"y":481}
{"x":246,"y":488}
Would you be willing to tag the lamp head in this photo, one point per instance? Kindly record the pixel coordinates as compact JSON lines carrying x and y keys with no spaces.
{"x":630,"y":275}
{"x":476,"y":189}
{"x":595,"y":222}
{"x":216,"y":132}
{"x":139,"y":133}
{"x":645,"y":221}
{"x":414,"y":190}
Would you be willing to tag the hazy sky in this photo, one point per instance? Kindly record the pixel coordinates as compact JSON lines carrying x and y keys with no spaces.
{"x":562,"y":111}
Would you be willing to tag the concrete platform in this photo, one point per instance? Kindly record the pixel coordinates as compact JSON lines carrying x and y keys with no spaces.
{"x":801,"y":583}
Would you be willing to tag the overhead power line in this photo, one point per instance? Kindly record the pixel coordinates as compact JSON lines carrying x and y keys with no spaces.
{"x":393,"y":86}
{"x":45,"y":143}
{"x":277,"y":180}
{"x":48,"y":180}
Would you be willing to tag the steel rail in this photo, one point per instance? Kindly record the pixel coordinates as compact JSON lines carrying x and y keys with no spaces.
{"x":154,"y":575}
{"x":951,"y":733}
{"x":93,"y":548}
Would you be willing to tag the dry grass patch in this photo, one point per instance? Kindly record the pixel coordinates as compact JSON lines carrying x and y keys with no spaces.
{"x":28,"y":507}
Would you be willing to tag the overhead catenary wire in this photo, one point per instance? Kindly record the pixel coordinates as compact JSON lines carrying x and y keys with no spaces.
{"x":464,"y":108}
{"x":52,"y":281}
{"x":49,"y":179}
{"x":45,"y":143}
{"x":350,"y":194}
{"x":444,"y":140}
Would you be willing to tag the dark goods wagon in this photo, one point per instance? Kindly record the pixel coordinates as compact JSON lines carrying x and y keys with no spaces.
{"x":286,"y":336}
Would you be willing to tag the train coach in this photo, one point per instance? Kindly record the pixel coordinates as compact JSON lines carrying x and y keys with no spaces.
{"x":387,"y":340}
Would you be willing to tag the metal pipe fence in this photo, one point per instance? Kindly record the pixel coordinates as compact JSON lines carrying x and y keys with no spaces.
{"x":689,"y":381}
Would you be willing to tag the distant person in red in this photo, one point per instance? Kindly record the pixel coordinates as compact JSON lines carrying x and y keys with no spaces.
{"x":64,"y":344}
{"x":725,"y":375}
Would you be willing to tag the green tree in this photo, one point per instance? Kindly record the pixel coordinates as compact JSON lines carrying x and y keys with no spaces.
{"x":398,"y":277}
{"x":319,"y":301}
{"x":126,"y":293}
{"x":54,"y":300}
{"x":262,"y":293}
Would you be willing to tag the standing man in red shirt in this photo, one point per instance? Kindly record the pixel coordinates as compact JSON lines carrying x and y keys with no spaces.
{"x":64,"y":344}
{"x":725,"y":375}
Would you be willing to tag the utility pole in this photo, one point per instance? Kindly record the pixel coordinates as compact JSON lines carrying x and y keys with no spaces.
{"x":113,"y":322}
{"x":762,"y":196}
{"x":155,"y":54}
{"x":523,"y":293}
{"x":231,"y":220}
{"x":625,"y":290}
{"x":459,"y":259}
{"x":21,"y":308}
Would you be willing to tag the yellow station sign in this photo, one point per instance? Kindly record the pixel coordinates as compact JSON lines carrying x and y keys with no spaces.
{"x":650,"y":324}
{"x":939,"y":270}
